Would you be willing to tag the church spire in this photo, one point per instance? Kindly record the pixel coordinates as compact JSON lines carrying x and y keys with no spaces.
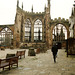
{"x":22,"y":5}
{"x":49,"y":6}
{"x":48,"y":3}
{"x":72,"y":12}
{"x":32,"y":8}
{"x":74,"y":9}
{"x":45,"y":8}
{"x":17,"y":3}
{"x":74,"y":4}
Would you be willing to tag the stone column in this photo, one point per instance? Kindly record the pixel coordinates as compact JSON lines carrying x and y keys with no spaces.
{"x":14,"y":40}
{"x":74,"y":30}
{"x":68,"y":34}
{"x":23,"y":32}
{"x":51,"y":36}
{"x":43,"y":35}
{"x":32,"y":32}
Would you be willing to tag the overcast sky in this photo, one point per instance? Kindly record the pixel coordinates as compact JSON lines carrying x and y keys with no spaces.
{"x":59,"y":8}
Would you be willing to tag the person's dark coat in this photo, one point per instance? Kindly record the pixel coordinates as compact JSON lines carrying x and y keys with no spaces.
{"x":54,"y":49}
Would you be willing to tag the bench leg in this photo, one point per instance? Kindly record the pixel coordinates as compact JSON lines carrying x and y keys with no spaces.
{"x":9,"y":67}
{"x":20,"y":57}
{"x":3,"y":68}
{"x":24,"y":56}
{"x":17,"y":64}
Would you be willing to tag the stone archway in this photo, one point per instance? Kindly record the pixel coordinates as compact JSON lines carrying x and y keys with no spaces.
{"x":56,"y":22}
{"x":62,"y":28}
{"x":6,"y":37}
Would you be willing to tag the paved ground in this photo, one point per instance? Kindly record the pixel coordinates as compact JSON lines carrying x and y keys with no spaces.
{"x":42,"y":64}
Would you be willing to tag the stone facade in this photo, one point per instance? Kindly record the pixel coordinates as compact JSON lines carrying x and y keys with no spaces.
{"x":72,"y":22}
{"x":48,"y":25}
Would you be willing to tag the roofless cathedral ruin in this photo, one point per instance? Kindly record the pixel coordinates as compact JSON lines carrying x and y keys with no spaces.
{"x":37,"y":29}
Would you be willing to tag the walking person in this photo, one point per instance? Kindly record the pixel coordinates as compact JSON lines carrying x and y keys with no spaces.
{"x":54,"y":52}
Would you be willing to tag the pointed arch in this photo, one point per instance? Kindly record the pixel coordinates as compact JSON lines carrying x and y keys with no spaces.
{"x":27,"y":30}
{"x":59,"y":32}
{"x":6,"y":36}
{"x":38,"y":30}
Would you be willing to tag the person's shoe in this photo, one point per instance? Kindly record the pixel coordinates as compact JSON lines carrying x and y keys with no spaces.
{"x":56,"y":56}
{"x":54,"y":61}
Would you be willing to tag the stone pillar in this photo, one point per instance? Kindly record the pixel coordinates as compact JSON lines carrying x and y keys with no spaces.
{"x":17,"y":29}
{"x":23,"y":32}
{"x":32,"y":32}
{"x":54,"y":34}
{"x":16,"y":40}
{"x":50,"y":37}
{"x":43,"y":35}
{"x":74,"y":30}
{"x":68,"y":34}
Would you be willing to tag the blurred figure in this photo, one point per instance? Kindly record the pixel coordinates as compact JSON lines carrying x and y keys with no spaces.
{"x":54,"y":51}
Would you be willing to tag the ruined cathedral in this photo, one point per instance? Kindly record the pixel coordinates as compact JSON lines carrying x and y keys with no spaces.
{"x":37,"y":29}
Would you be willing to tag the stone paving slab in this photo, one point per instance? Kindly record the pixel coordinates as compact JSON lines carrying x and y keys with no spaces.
{"x":42,"y":64}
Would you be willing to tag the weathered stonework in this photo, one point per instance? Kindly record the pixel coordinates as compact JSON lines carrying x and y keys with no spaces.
{"x":48,"y":24}
{"x":72,"y":22}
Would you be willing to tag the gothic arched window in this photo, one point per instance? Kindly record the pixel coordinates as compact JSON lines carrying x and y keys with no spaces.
{"x":59,"y":33}
{"x":27,"y":31}
{"x":38,"y":30}
{"x":6,"y":37}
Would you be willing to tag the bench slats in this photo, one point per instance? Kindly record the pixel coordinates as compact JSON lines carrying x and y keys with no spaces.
{"x":8,"y":62}
{"x":20,"y":53}
{"x":4,"y":64}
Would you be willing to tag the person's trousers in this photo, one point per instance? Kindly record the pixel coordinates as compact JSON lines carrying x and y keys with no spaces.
{"x":54,"y":57}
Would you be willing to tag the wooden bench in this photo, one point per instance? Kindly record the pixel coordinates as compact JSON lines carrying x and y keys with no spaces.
{"x":8,"y":62}
{"x":20,"y":54}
